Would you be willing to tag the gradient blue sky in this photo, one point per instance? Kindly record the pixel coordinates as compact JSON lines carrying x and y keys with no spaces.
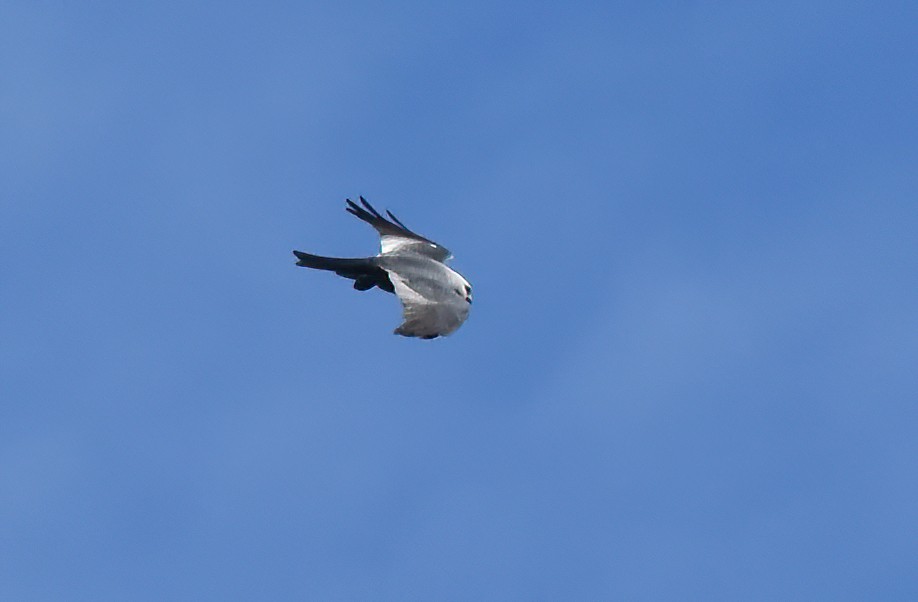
{"x":690,"y":371}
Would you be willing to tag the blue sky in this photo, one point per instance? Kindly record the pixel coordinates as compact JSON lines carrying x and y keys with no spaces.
{"x":689,"y":373}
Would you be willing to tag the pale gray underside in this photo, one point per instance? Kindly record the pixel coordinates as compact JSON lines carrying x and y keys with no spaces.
{"x":433,"y":295}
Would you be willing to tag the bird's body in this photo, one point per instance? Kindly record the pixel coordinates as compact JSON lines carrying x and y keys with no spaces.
{"x":435,"y":298}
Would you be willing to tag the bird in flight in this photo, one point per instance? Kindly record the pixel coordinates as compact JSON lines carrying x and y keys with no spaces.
{"x":435,"y":298}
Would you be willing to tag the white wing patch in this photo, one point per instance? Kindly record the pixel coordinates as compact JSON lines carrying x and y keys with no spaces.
{"x":391,"y":244}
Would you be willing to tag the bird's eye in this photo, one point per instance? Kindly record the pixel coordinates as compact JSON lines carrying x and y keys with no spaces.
{"x":468,"y":289}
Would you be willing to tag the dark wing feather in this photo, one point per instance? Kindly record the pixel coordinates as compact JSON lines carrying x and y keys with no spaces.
{"x":371,"y":216}
{"x":394,"y":234}
{"x":395,"y":219}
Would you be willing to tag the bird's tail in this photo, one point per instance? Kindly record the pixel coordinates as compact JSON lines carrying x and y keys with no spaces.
{"x":364,"y":272}
{"x":333,"y":264}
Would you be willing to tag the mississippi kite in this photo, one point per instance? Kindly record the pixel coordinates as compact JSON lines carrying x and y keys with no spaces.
{"x":435,"y":298}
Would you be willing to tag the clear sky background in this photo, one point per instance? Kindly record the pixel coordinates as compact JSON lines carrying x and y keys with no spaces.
{"x":691,"y":369}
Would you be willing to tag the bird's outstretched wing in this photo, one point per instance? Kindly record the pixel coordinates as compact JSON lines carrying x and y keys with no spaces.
{"x":427,"y":317}
{"x":394,"y":236}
